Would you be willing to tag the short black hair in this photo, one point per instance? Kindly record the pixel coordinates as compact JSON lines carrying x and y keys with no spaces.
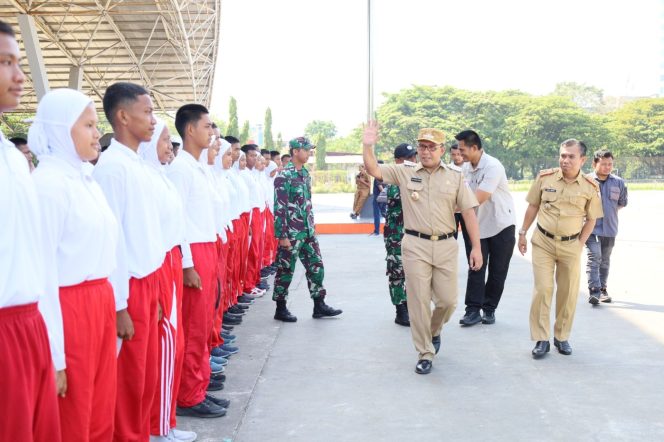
{"x":249,"y":147}
{"x":469,"y":138}
{"x":18,"y":141}
{"x":602,"y":153}
{"x":189,"y":113}
{"x":583,"y":149}
{"x":214,"y":125}
{"x":175,"y":144}
{"x":6,"y":29}
{"x":231,"y":139}
{"x":274,"y":154}
{"x":454,"y":146}
{"x":286,"y":155}
{"x":265,"y":151}
{"x":119,"y":94}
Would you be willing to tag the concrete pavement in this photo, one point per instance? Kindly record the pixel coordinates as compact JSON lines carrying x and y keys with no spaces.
{"x":352,"y":378}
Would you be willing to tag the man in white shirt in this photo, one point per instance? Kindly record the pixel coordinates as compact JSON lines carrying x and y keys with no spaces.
{"x":29,"y":405}
{"x":497,"y":219}
{"x":125,"y":180}
{"x":199,"y":262}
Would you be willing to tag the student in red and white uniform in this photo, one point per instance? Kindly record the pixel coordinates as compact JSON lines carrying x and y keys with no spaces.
{"x":256,"y":221}
{"x":199,"y":262}
{"x":221,"y":169}
{"x":246,"y":186}
{"x":157,"y":153}
{"x":79,"y":238}
{"x":125,"y":180}
{"x":270,"y":255}
{"x":28,"y":404}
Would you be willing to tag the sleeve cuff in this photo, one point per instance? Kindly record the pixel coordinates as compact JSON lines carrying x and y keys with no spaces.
{"x":187,"y":262}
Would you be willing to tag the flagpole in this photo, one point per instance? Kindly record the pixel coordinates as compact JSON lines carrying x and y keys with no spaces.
{"x":370,"y":85}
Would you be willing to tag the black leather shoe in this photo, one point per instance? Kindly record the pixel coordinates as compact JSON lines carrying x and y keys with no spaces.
{"x":244,"y":307}
{"x":563,"y":347}
{"x":215,"y":385}
{"x":218,"y":377}
{"x":203,"y":409}
{"x":223,"y":403}
{"x":282,"y":313}
{"x":423,"y":366}
{"x":489,"y":317}
{"x":471,"y":318}
{"x":322,"y":310}
{"x":541,"y":349}
{"x":436,"y":343}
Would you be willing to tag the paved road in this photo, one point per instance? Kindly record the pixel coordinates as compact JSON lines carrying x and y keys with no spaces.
{"x":352,"y":378}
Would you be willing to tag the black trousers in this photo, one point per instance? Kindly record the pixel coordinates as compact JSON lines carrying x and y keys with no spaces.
{"x":482,"y":291}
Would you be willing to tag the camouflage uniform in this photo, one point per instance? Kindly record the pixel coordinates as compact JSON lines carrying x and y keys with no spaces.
{"x":294,"y":219}
{"x":392,"y":233}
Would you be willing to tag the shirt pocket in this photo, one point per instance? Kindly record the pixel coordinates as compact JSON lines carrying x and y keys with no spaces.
{"x":614,"y":193}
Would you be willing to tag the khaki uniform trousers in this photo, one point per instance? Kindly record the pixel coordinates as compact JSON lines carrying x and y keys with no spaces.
{"x":361,"y":196}
{"x":431,"y":275}
{"x":562,"y":258}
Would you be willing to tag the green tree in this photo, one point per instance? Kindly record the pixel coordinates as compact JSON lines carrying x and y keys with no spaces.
{"x":319,"y":128}
{"x":321,"y":148}
{"x":220,"y":124}
{"x":244,"y":135}
{"x":280,"y":142}
{"x":588,"y":97}
{"x":267,"y":134}
{"x":233,"y":128}
{"x":638,"y":128}
{"x":15,"y":124}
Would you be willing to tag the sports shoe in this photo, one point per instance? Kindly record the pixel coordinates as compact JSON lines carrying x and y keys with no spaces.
{"x":224,"y":403}
{"x":182,"y":436}
{"x":218,"y":352}
{"x":604,"y":295}
{"x":230,"y":349}
{"x":203,"y":409}
{"x":216,"y":368}
{"x":219,"y":360}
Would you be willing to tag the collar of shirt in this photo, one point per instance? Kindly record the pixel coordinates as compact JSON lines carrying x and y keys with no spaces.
{"x":559,"y":176}
{"x":124,"y":150}
{"x":189,"y":158}
{"x":481,"y":164}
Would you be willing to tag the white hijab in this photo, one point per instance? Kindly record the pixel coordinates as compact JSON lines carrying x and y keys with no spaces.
{"x":148,"y":149}
{"x":50,"y":132}
{"x":241,"y":185}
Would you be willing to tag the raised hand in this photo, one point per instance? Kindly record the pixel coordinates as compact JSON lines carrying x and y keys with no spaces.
{"x":370,"y":133}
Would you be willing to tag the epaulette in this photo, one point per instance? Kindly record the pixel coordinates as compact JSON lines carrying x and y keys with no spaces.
{"x":409,"y":164}
{"x":592,"y":181}
{"x":547,"y":172}
{"x":453,"y":167}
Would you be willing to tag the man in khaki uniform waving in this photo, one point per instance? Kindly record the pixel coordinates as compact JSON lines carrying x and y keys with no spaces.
{"x":430,"y":194}
{"x":566,"y":204}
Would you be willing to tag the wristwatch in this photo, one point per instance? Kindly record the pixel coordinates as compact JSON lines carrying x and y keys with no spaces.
{"x":522,"y":232}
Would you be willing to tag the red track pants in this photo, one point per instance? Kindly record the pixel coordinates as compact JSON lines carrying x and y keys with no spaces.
{"x":88,"y":316}
{"x":29,"y":406}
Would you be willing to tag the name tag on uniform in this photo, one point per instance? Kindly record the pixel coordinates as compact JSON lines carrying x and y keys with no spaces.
{"x":549,"y":189}
{"x":416,"y":179}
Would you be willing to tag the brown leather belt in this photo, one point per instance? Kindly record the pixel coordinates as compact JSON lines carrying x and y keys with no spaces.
{"x":552,"y":236}
{"x":430,"y":237}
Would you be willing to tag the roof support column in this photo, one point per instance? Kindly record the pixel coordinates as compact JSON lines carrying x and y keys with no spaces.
{"x":75,"y":77}
{"x":33,"y":52}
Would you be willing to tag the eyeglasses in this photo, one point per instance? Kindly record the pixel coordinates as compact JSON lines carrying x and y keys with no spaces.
{"x":422,"y":147}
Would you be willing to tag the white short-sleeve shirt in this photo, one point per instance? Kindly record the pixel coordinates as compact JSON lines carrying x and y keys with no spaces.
{"x":496,"y":213}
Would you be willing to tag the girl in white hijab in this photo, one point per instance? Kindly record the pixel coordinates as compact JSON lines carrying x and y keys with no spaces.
{"x":79,"y":239}
{"x":157,"y":154}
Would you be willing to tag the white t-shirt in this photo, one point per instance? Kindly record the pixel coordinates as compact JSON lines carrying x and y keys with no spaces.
{"x":497,"y":212}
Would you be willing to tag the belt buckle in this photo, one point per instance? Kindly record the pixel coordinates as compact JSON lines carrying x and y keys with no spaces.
{"x":434,"y":237}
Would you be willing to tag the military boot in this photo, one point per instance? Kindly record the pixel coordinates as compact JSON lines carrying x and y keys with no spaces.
{"x":322,"y":310}
{"x":282,"y":313}
{"x":402,"y":315}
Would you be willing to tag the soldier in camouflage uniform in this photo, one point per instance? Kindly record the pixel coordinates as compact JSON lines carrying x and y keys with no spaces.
{"x":294,"y":227}
{"x":392,"y":234}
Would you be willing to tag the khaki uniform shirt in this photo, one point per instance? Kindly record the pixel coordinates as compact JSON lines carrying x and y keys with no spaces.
{"x":362,"y":181}
{"x":429,"y":199}
{"x":563,"y":207}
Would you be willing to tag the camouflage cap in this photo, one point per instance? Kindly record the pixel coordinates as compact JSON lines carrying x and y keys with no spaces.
{"x":301,"y":143}
{"x":434,"y":135}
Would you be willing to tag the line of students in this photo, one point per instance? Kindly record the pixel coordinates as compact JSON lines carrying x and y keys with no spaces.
{"x":136,"y":266}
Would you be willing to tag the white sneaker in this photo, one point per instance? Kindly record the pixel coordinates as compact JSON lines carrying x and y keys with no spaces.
{"x":182,"y":436}
{"x":257,"y":292}
{"x":168,"y":438}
